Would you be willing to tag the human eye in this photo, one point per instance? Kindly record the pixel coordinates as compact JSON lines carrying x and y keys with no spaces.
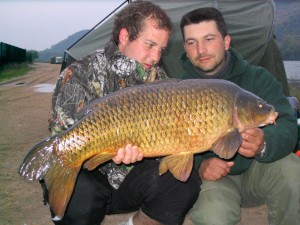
{"x":209,"y":38}
{"x":163,"y":51}
{"x":191,"y":43}
{"x":149,"y":45}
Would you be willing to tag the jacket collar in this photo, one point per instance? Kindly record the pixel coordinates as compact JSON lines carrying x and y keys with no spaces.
{"x":124,"y":66}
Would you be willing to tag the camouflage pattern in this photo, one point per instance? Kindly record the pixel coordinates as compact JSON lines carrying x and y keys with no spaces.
{"x":96,"y":75}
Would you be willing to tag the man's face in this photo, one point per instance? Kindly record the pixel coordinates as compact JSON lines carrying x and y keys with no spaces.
{"x":148,"y":47}
{"x":205,"y":46}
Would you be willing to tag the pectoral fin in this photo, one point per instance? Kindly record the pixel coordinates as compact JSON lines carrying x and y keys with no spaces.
{"x":228,"y":145}
{"x":95,"y":161}
{"x":180,"y":165}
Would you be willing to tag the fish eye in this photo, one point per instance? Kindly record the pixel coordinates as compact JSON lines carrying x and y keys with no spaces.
{"x":261,"y":104}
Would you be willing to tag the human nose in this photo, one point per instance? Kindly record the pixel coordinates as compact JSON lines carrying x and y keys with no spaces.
{"x":201,"y":48}
{"x":155,"y":55}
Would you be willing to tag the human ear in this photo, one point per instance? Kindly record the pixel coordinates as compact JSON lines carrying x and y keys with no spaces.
{"x":227,"y":41}
{"x":123,"y":36}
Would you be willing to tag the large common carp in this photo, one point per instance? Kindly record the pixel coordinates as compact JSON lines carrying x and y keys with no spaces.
{"x":169,"y":118}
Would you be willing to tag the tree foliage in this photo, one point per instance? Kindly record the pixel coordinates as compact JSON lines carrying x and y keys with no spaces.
{"x":31,"y":55}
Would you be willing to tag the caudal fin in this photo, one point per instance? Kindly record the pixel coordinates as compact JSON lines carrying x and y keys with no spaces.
{"x":38,"y":160}
{"x":42,"y":163}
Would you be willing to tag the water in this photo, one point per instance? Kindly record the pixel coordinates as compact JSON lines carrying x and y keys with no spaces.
{"x":292,"y":69}
{"x":44,"y":88}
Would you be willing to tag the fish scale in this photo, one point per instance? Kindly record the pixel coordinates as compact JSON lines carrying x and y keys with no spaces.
{"x":170,"y":118}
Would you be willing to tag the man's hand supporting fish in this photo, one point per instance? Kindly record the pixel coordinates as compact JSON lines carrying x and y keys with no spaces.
{"x":253,"y":142}
{"x":128,"y":155}
{"x":252,"y":145}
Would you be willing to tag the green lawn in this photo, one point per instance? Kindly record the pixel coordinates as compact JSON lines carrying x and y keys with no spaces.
{"x":13,"y":70}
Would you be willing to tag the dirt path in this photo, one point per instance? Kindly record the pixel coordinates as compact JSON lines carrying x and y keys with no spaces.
{"x":23,"y":113}
{"x":24,"y":108}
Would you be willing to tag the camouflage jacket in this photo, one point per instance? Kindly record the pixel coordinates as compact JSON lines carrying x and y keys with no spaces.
{"x":96,"y":75}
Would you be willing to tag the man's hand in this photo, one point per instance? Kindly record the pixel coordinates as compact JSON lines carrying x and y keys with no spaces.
{"x":128,"y":155}
{"x":214,"y":169}
{"x":253,"y":142}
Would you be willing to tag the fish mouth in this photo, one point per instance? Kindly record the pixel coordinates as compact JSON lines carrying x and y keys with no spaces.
{"x":271,"y":119}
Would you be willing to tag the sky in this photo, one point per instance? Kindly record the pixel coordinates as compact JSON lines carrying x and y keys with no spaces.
{"x":39,"y":24}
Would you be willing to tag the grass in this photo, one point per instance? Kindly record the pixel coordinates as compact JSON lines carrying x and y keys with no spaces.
{"x":13,"y":70}
{"x":294,"y":92}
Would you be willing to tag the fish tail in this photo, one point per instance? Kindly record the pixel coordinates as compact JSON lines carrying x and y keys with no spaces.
{"x":38,"y":160}
{"x":60,"y":181}
{"x":40,"y":163}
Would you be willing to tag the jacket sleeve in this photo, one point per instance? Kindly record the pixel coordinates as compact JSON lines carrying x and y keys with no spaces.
{"x":280,"y":138}
{"x":75,"y":87}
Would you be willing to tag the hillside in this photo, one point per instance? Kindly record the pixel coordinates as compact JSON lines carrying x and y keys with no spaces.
{"x":287,"y":32}
{"x":287,"y":28}
{"x":58,"y":49}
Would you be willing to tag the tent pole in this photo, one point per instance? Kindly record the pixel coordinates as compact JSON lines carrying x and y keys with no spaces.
{"x":64,"y":61}
{"x":128,"y":1}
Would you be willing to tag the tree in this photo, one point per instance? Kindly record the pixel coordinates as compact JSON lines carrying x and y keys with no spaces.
{"x":31,"y":55}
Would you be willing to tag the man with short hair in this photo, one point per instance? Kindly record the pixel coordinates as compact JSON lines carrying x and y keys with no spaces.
{"x":140,"y":35}
{"x":264,"y":170}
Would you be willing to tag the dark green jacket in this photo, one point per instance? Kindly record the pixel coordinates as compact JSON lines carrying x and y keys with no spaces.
{"x":280,"y":139}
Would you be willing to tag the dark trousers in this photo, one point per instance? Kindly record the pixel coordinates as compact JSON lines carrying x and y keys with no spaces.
{"x":163,"y":198}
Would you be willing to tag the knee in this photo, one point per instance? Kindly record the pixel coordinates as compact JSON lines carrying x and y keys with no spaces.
{"x":287,"y":173}
{"x":193,"y":187}
{"x":187,"y":192}
{"x":216,"y":206}
{"x":92,"y":187}
{"x":87,"y":205}
{"x":168,"y":200}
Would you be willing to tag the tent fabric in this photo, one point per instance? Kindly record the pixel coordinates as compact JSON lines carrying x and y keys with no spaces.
{"x":250,"y":24}
{"x":273,"y":62}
